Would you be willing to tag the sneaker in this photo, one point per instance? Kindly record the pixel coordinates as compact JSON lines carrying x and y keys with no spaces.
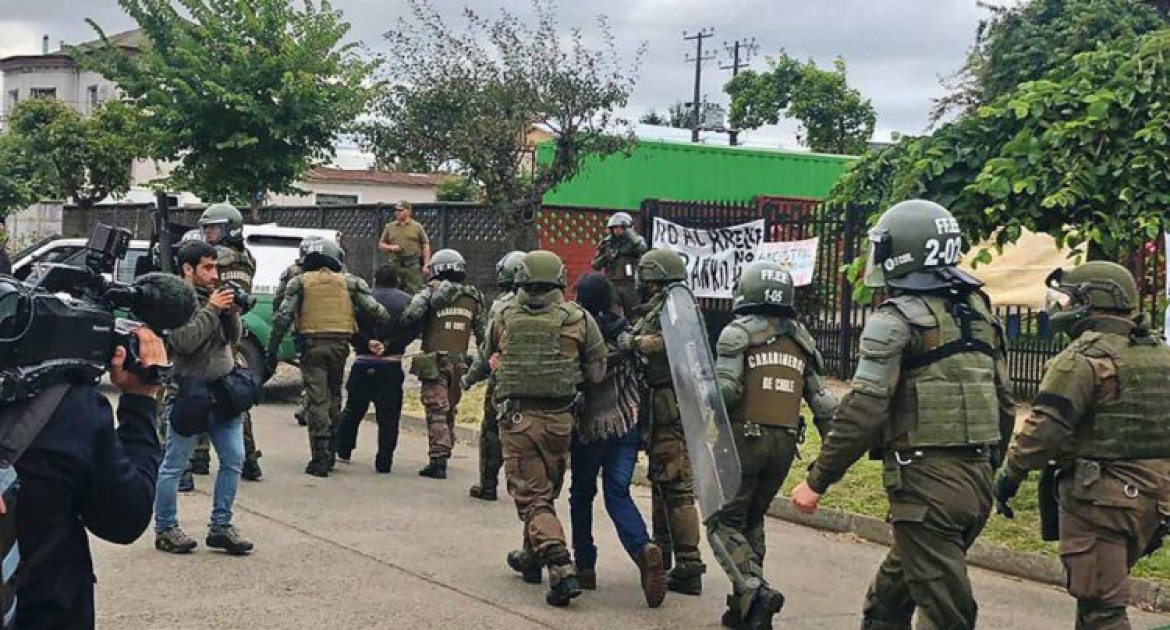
{"x":228,"y":539}
{"x":524,"y":563}
{"x":174,"y":540}
{"x":653,"y":575}
{"x":186,"y":482}
{"x":587,"y":579}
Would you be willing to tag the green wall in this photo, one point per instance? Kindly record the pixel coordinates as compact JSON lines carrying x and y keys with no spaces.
{"x":666,"y":170}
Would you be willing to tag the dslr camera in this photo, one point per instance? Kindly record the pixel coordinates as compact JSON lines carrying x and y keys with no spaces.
{"x":63,"y":324}
{"x":241,"y":298}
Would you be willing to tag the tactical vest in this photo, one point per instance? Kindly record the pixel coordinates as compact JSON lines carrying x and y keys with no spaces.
{"x":448,"y":329}
{"x":774,"y":367}
{"x":326,"y":306}
{"x":947,"y":395}
{"x":539,"y":355}
{"x":1137,"y":424}
{"x":236,"y":266}
{"x":657,"y":367}
{"x":623,"y":267}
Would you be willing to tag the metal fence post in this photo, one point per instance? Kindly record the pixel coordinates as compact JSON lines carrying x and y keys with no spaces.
{"x":846,"y":334}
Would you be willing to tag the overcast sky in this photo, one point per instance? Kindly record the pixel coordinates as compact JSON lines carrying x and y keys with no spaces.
{"x":896,"y":50}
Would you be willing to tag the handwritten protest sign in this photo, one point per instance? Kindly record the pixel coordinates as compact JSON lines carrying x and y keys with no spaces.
{"x":799,"y":258}
{"x":714,"y":257}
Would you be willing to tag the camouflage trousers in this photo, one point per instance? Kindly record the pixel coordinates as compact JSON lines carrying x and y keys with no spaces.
{"x":736,"y":532}
{"x":626,"y":296}
{"x":491,"y":454}
{"x":1099,"y":544}
{"x":441,"y":398}
{"x":536,"y":452}
{"x":938,"y":506}
{"x":323,"y":374}
{"x":675,"y":518}
{"x":409,"y":274}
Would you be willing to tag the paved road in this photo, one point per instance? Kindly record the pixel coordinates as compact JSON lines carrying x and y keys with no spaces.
{"x":372,"y":551}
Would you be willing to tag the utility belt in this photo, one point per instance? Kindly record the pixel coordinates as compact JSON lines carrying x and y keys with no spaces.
{"x":409,"y":261}
{"x":753,"y":430}
{"x":332,"y":336}
{"x":511,"y":410}
{"x":905,"y":457}
{"x":371,"y":359}
{"x":1085,"y":473}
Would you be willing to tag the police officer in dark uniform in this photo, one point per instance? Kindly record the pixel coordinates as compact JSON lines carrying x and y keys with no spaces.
{"x":768,"y":363}
{"x":932,"y":390}
{"x":1101,"y":416}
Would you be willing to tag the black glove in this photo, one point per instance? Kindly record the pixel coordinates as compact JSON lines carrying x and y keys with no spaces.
{"x":1005,"y":489}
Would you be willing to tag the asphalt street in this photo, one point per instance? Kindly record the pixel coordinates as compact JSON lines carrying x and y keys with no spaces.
{"x":360,"y":550}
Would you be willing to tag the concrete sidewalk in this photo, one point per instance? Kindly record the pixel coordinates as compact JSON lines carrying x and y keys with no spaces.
{"x":399,"y":551}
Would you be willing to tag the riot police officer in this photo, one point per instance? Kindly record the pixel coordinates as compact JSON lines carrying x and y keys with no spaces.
{"x":222,"y":226}
{"x":675,"y":519}
{"x":327,"y":305}
{"x":617,"y":256}
{"x":491,"y":456}
{"x":547,"y":347}
{"x":1101,"y":415}
{"x":288,"y":274}
{"x":768,"y":362}
{"x":451,"y":311}
{"x":931,"y":388}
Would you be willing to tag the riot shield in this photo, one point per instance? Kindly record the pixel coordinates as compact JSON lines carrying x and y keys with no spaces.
{"x":714,"y":460}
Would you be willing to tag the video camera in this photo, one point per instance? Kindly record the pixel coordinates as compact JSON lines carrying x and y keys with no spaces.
{"x":61,"y":323}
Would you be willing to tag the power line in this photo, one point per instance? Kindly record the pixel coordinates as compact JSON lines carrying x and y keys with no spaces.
{"x":741,"y":52}
{"x":698,"y":58}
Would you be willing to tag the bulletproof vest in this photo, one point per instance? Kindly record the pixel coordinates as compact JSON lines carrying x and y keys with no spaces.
{"x":774,"y":366}
{"x":947,"y":395}
{"x":326,"y":306}
{"x":657,"y":367}
{"x":624,"y":262}
{"x":1136,"y":425}
{"x":448,"y":329}
{"x":236,"y":266}
{"x":539,"y":355}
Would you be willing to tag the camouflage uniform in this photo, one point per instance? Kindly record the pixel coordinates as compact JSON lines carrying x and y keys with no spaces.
{"x":326,"y":306}
{"x":450,"y":314}
{"x":1100,"y":415}
{"x":617,"y":257}
{"x":674,"y":515}
{"x":767,"y":364}
{"x":547,"y":348}
{"x":288,"y":274}
{"x":491,"y":454}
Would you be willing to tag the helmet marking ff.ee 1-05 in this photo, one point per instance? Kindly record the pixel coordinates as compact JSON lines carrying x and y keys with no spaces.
{"x":448,"y":264}
{"x":916,"y":245}
{"x":229,"y":220}
{"x":541,"y":267}
{"x":506,"y":268}
{"x":764,"y":284}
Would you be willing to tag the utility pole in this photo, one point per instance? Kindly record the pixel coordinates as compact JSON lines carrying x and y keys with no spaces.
{"x":698,"y":58}
{"x":741,"y":52}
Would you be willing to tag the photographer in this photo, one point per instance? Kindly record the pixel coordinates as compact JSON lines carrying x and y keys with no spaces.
{"x":79,"y":474}
{"x":203,"y":354}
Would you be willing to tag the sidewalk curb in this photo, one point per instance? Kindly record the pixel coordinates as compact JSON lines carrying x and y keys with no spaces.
{"x":1145,"y":594}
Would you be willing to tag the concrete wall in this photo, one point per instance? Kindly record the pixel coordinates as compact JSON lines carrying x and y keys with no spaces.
{"x":365,"y":193}
{"x":32,"y":224}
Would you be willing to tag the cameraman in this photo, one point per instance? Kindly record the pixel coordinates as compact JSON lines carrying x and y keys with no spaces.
{"x":79,"y":474}
{"x":202,"y":353}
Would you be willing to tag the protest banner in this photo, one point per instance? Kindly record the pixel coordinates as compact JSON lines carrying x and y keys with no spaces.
{"x":799,"y":258}
{"x":714,"y":257}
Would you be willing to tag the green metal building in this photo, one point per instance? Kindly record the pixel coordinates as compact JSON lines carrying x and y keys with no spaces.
{"x":681,"y":171}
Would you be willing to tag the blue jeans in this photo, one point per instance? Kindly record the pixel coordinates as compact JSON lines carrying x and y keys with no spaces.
{"x":614,"y":460}
{"x":227,"y":436}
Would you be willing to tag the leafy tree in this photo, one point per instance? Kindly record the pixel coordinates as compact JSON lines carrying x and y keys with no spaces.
{"x":1079,"y":154}
{"x":835,"y":118}
{"x":677,"y":115}
{"x":245,"y":94}
{"x":470,"y":97}
{"x":16,"y":175}
{"x":68,"y":155}
{"x":1025,"y":42}
{"x":652,"y":117}
{"x":457,"y":188}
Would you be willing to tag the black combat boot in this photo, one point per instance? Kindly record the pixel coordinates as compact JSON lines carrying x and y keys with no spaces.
{"x":562,"y":578}
{"x":587,"y":579}
{"x":251,"y":470}
{"x":765,"y":604}
{"x":437,"y":469}
{"x":319,"y":465}
{"x":383,"y":463}
{"x":687,"y":579}
{"x":484,"y":492}
{"x":201,"y":463}
{"x":732,"y":616}
{"x":525,"y":563}
{"x":186,"y":482}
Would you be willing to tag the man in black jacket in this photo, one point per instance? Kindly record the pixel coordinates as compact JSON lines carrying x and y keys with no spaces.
{"x":83,"y":474}
{"x":376,"y":376}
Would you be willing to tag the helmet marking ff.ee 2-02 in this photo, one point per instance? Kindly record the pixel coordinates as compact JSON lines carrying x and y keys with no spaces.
{"x":916,"y":245}
{"x":764,"y":284}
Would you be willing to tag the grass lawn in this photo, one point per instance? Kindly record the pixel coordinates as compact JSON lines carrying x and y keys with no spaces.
{"x":470,"y":407}
{"x":861,"y":492}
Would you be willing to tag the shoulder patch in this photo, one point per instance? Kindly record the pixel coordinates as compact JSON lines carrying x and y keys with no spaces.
{"x":913,"y":309}
{"x":733,"y":339}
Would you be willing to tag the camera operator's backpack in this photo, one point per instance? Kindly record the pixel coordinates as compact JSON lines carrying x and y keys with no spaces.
{"x":20,"y":423}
